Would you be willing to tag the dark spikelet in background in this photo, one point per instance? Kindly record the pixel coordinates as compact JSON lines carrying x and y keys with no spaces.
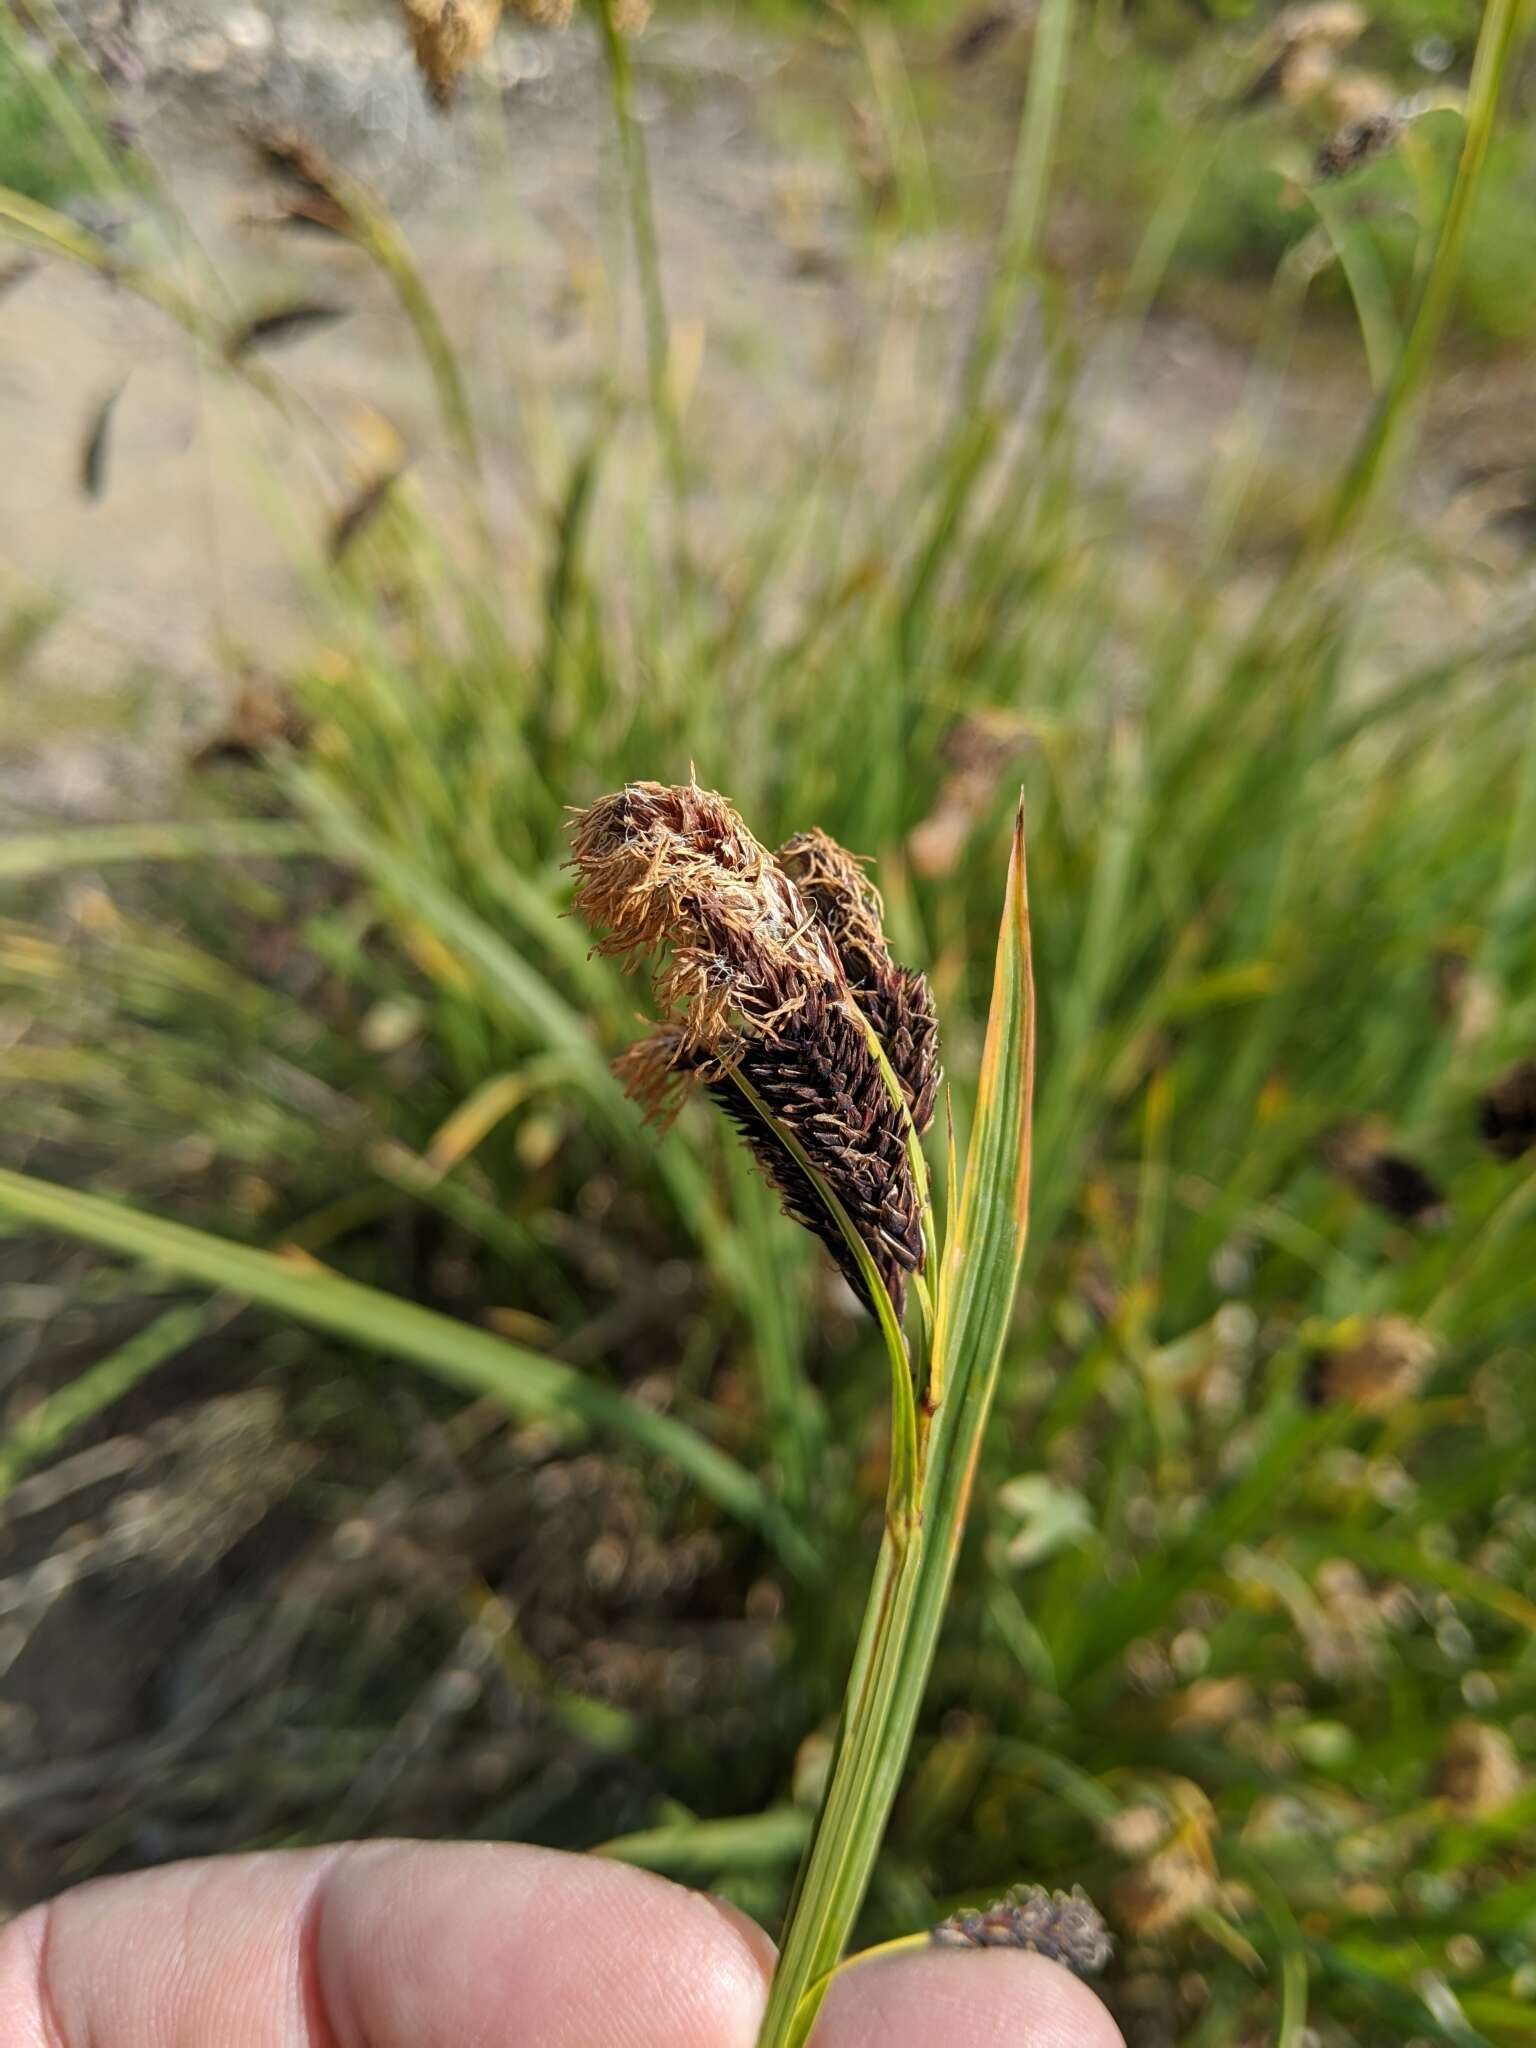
{"x":1506,"y":1116}
{"x":1357,"y":144}
{"x":980,"y":34}
{"x":1065,"y":1926}
{"x":897,"y":1001}
{"x":98,"y":437}
{"x":294,"y":158}
{"x":311,"y":200}
{"x":1387,"y":1179}
{"x":359,"y":512}
{"x":284,"y":324}
{"x":751,"y":980}
{"x":16,"y":272}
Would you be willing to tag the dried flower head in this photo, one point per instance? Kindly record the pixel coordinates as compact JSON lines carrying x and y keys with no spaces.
{"x":448,"y":36}
{"x":1382,"y":1366}
{"x":1159,"y":1896}
{"x":1358,"y":143}
{"x":1302,"y":44}
{"x":1479,"y":1770}
{"x":1506,"y":1116}
{"x":546,"y":13}
{"x":752,"y":984}
{"x":1066,"y":1926}
{"x":1334,"y":23}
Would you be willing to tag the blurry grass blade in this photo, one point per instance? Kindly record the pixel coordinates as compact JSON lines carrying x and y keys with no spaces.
{"x":702,"y":1850}
{"x":46,"y":853}
{"x":1493,"y":63}
{"x":16,"y":272}
{"x":41,"y":1432}
{"x":463,"y":1356}
{"x":981,"y":1263}
{"x":500,"y":969}
{"x":1028,"y":187}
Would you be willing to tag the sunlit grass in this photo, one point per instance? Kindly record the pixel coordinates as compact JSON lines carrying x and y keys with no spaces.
{"x":1211,"y":1636}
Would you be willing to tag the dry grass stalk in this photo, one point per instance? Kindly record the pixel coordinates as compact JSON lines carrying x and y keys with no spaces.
{"x":753,"y":982}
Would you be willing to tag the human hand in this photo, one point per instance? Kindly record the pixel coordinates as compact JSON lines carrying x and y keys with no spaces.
{"x":472,"y":1945}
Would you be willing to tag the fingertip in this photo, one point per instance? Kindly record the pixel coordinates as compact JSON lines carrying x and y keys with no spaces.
{"x":563,"y":1949}
{"x":990,"y":1998}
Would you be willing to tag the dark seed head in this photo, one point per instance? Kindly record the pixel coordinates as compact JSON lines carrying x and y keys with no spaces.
{"x":896,"y":1001}
{"x":1506,"y":1116}
{"x":777,"y":984}
{"x":1357,"y":144}
{"x":1388,"y":1180}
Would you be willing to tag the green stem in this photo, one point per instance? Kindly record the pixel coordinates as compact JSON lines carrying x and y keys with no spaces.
{"x":868,"y":1759}
{"x":976,"y":1278}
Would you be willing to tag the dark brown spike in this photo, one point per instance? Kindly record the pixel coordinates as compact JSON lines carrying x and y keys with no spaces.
{"x":360,"y":511}
{"x":1360,"y":1155}
{"x":286,"y":323}
{"x":820,"y":1080}
{"x":1506,"y":1116}
{"x":897,"y":1001}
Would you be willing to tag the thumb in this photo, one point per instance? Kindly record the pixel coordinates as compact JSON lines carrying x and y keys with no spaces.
{"x":947,"y":1998}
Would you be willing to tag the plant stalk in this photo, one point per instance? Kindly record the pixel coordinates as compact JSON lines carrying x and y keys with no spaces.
{"x":976,"y":1280}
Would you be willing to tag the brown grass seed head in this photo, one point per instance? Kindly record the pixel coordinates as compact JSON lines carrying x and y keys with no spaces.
{"x":752,"y":978}
{"x":897,"y":1001}
{"x":1506,"y":1116}
{"x":448,"y":36}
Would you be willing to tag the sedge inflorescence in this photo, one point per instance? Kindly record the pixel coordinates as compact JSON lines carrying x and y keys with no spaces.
{"x":774,"y":984}
{"x":1065,"y":1926}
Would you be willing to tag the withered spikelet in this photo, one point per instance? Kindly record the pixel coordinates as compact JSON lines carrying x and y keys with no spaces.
{"x":448,"y":36}
{"x":1385,"y":1364}
{"x":1357,"y":143}
{"x":753,"y":983}
{"x":1065,"y":1926}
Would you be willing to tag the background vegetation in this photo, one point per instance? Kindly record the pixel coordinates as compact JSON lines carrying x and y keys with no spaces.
{"x":1242,"y":1638}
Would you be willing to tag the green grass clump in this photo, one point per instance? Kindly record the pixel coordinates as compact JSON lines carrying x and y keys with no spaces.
{"x":1242,"y":1639}
{"x":34,"y":157}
